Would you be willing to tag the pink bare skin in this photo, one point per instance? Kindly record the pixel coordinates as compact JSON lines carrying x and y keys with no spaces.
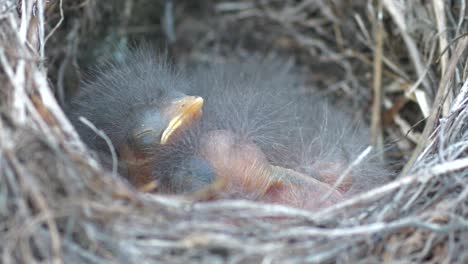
{"x":244,"y":172}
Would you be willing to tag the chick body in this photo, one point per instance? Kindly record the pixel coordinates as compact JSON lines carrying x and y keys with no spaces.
{"x":257,"y":101}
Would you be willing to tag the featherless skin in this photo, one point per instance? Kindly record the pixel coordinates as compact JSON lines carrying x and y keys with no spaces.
{"x":238,"y":125}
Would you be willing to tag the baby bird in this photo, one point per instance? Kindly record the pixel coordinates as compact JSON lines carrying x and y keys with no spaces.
{"x":238,"y":125}
{"x":141,"y":106}
{"x":269,"y":144}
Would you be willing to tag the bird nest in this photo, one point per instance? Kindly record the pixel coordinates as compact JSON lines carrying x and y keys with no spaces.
{"x":401,"y":64}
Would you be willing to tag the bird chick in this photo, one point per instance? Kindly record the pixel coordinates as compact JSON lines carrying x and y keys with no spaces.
{"x":265,"y":124}
{"x":256,"y":136}
{"x":141,"y":106}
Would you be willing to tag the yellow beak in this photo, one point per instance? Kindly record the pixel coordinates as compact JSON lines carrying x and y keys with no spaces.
{"x":183,"y":112}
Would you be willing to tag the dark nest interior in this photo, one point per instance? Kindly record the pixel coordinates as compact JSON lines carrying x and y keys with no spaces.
{"x":399,"y":65}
